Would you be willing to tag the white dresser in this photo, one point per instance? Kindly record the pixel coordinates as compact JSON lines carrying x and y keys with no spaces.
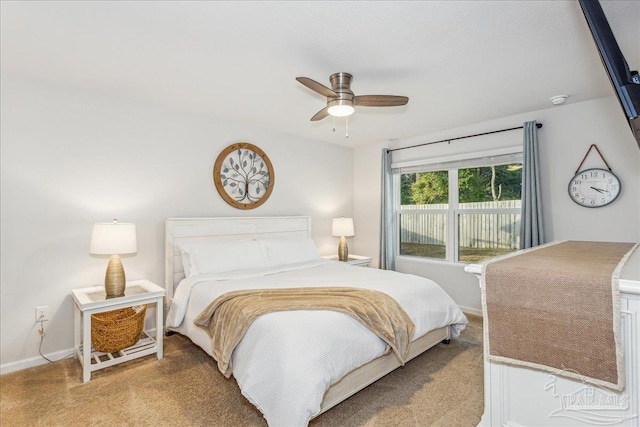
{"x":523,"y":397}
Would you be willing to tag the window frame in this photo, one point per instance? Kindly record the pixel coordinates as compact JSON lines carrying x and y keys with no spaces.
{"x":453,"y":212}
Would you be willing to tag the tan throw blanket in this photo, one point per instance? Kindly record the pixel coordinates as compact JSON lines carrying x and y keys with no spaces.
{"x":557,"y":308}
{"x":228,"y":317}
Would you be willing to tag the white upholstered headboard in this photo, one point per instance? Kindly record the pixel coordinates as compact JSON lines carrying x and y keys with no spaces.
{"x":190,"y":229}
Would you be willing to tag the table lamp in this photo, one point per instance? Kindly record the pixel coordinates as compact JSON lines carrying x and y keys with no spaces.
{"x":114,"y":238}
{"x":342,"y":227}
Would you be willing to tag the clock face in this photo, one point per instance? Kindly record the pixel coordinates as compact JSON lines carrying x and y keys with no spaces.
{"x":594,"y":188}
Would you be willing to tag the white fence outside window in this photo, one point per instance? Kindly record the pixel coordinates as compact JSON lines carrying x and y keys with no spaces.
{"x":493,"y":225}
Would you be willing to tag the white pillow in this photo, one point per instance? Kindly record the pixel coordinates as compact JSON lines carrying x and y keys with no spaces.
{"x":289,"y":251}
{"x":186,"y":262}
{"x":220,"y":256}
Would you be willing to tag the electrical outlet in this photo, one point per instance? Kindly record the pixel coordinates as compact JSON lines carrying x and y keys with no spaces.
{"x":42,"y":313}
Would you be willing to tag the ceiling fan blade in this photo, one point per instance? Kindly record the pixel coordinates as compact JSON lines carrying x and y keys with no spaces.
{"x":320,"y":114}
{"x":317,"y":87}
{"x":380,"y":100}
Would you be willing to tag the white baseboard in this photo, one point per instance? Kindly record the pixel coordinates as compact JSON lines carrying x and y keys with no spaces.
{"x":469,"y":310}
{"x":35,"y":361}
{"x":54,"y":356}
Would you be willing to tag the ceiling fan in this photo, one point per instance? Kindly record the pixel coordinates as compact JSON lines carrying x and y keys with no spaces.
{"x":341,"y":100}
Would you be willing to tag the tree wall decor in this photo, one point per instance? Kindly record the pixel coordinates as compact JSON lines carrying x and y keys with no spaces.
{"x":243,"y":175}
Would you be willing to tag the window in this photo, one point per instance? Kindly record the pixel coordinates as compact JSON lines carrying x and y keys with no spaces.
{"x":462,"y":211}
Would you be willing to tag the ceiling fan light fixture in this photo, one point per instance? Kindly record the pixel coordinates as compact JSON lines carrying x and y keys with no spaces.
{"x":340,"y":108}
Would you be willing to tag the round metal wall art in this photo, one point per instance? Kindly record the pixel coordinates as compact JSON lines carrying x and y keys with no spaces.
{"x":243,"y":175}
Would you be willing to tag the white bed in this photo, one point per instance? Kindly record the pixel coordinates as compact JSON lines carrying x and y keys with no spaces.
{"x":322,"y":357}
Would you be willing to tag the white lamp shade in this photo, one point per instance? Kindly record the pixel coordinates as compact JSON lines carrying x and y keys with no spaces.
{"x":113,"y":238}
{"x":342,"y":227}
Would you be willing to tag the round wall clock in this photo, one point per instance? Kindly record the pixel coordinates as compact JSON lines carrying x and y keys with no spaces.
{"x":243,"y":175}
{"x":594,"y":188}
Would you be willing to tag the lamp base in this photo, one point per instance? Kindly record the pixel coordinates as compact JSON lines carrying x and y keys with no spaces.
{"x":114,"y":279}
{"x":343,"y":249}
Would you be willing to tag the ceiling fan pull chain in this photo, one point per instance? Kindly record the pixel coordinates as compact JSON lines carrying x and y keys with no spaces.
{"x":334,"y":123}
{"x":346,"y":135}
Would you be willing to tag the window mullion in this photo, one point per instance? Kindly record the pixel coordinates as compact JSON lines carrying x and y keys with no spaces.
{"x":452,"y":217}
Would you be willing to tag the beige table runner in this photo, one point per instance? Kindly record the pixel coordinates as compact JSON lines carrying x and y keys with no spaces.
{"x":557,"y":308}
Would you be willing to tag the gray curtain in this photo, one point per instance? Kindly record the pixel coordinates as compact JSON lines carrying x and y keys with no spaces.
{"x":531,"y":227}
{"x":387,"y":251}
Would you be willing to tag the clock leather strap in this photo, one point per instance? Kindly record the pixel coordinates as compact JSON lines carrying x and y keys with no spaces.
{"x":585,"y":158}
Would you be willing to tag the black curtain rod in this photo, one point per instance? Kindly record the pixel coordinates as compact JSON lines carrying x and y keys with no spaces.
{"x":538,"y":125}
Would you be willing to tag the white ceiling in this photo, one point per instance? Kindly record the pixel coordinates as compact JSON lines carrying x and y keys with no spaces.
{"x":459,"y":62}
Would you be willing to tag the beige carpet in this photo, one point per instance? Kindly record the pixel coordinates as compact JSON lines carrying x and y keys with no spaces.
{"x":442,"y":387}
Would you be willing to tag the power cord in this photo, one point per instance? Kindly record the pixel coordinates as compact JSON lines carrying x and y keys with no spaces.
{"x":41,"y":332}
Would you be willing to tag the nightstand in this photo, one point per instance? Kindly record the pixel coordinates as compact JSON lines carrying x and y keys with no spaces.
{"x":93,"y":300}
{"x":359,"y":260}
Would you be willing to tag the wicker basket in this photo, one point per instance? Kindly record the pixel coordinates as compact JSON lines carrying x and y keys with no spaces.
{"x":114,"y":330}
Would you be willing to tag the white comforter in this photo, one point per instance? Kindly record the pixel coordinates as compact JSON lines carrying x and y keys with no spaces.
{"x":287,"y":360}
